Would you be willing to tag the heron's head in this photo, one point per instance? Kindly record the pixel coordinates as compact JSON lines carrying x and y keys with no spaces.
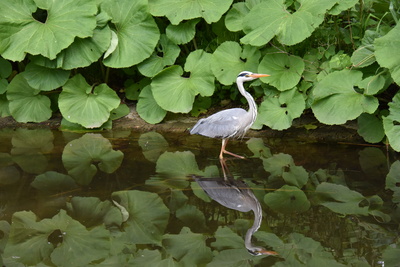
{"x":245,"y":76}
{"x":259,"y":251}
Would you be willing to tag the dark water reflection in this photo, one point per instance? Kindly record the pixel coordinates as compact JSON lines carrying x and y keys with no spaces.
{"x":128,"y":199}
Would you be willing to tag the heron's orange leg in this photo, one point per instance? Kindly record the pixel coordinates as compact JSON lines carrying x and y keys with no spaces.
{"x":223,"y":150}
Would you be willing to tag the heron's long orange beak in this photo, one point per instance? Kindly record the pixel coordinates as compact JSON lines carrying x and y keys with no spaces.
{"x":269,"y":252}
{"x":256,"y":75}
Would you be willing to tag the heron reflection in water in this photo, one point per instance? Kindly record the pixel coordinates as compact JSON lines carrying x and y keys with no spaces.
{"x":235,"y":194}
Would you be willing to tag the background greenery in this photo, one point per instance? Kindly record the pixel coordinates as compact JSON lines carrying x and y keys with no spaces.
{"x":85,"y":58}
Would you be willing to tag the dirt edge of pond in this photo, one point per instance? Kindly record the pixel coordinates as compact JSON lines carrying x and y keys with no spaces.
{"x":304,"y":129}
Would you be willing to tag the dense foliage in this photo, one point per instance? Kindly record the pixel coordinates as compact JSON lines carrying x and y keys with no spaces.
{"x":81,"y":57}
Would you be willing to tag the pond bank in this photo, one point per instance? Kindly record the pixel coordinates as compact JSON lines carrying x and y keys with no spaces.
{"x":304,"y":129}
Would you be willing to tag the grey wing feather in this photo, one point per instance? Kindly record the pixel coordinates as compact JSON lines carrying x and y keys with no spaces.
{"x":224,"y":124}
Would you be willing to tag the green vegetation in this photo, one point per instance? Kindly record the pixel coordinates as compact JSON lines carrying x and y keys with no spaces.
{"x":336,"y":58}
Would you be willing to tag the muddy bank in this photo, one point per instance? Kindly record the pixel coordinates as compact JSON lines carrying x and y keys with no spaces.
{"x":305,"y":129}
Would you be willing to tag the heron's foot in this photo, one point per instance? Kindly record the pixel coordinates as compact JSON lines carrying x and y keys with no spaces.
{"x":221,"y":155}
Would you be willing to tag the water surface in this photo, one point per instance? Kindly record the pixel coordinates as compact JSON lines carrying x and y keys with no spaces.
{"x":124,"y":199}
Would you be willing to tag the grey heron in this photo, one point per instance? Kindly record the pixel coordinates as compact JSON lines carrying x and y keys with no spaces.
{"x":235,"y":194}
{"x":232,"y":122}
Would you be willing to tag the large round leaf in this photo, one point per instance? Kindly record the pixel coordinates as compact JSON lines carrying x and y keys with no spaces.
{"x":370,"y":128}
{"x":279,"y":112}
{"x":182,"y":33}
{"x":27,"y":104}
{"x":136,"y":30}
{"x":229,"y":59}
{"x":178,"y":10}
{"x":148,"y":216}
{"x":155,"y":63}
{"x":285,"y":70}
{"x":82,"y":104}
{"x":290,"y":28}
{"x":392,"y":121}
{"x":45,"y":79}
{"x":147,"y":107}
{"x":386,"y":56}
{"x":21,"y":33}
{"x":176,"y":93}
{"x":336,"y":101}
{"x":287,"y":199}
{"x":80,"y":155}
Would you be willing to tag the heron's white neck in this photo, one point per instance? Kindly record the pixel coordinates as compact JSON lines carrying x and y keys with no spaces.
{"x":252,"y":104}
{"x":257,"y":222}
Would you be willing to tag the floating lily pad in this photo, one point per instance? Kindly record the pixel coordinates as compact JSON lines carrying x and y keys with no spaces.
{"x":176,"y":93}
{"x":88,"y":106}
{"x":26,"y":104}
{"x":229,"y":59}
{"x":64,"y":21}
{"x":336,"y":100}
{"x":178,"y":10}
{"x":80,"y":155}
{"x":148,"y":216}
{"x":137,"y":32}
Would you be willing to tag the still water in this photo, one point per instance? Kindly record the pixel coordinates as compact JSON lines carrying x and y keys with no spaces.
{"x":129,"y":199}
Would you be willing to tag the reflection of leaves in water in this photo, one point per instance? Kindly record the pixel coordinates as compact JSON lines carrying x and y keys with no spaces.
{"x":226,"y":238}
{"x":393,"y":181}
{"x":257,"y":146}
{"x":188,"y":248}
{"x":287,"y":199}
{"x":91,"y":211}
{"x":30,"y":242}
{"x":152,"y":144}
{"x":192,"y":217}
{"x":8,"y":174}
{"x":53,"y":182}
{"x":81,"y":155}
{"x":29,"y":147}
{"x":148,"y":216}
{"x":373,"y":162}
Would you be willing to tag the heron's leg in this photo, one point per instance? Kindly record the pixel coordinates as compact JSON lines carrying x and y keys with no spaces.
{"x":223,"y":150}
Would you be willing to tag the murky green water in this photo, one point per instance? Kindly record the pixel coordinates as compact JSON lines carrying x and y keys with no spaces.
{"x":128,"y":199}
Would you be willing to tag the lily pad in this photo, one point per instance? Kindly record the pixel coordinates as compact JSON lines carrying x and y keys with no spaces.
{"x":80,"y":155}
{"x":285,"y":70}
{"x":176,"y":93}
{"x":229,"y":59}
{"x":279,"y":112}
{"x":45,"y":79}
{"x":88,"y":106}
{"x":336,"y":100}
{"x":287,"y":199}
{"x":384,"y":47}
{"x":148,"y":216}
{"x":26,"y":103}
{"x":65,"y":21}
{"x":137,"y":32}
{"x":178,"y":10}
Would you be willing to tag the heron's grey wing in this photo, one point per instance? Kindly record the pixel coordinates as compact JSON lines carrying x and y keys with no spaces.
{"x":224,"y":124}
{"x":226,"y":194}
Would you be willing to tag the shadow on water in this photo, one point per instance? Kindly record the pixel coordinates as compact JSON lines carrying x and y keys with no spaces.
{"x":129,"y":199}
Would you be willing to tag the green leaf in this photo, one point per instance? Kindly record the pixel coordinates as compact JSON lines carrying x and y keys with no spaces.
{"x":147,"y":107}
{"x":285,"y":70}
{"x":81,"y":53}
{"x":226,"y":238}
{"x":4,"y":110}
{"x":182,"y":33}
{"x":177,"y":164}
{"x":178,"y":10}
{"x":30,"y":240}
{"x":279,"y":112}
{"x":373,"y":84}
{"x":45,"y":79}
{"x":234,"y":17}
{"x":136,"y":30}
{"x":155,"y":63}
{"x":392,"y":121}
{"x":65,"y":21}
{"x":287,"y":199}
{"x":341,"y":199}
{"x":153,"y":145}
{"x":90,"y":107}
{"x":53,"y":183}
{"x":148,"y":216}
{"x":5,"y":69}
{"x":384,"y":52}
{"x":289,"y":28}
{"x":370,"y":128}
{"x":192,"y":217}
{"x":336,"y":101}
{"x":188,"y":248}
{"x":26,"y":103}
{"x":80,"y":155}
{"x":229,"y":59}
{"x":176,"y":93}
{"x":393,"y":180}
{"x":363,"y":56}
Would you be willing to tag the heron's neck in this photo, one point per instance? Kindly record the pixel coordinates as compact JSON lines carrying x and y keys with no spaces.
{"x":252,"y":104}
{"x":257,"y":222}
